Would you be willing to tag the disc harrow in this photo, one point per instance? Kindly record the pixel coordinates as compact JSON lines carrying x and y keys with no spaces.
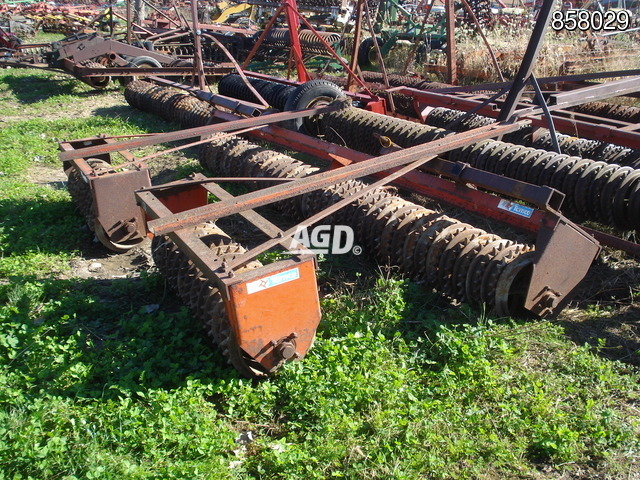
{"x":609,"y":197}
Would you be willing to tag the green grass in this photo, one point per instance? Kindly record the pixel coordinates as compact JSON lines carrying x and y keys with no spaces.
{"x":48,"y":92}
{"x":399,"y":384}
{"x":97,"y":394}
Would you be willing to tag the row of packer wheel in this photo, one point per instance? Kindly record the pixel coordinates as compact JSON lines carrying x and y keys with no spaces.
{"x":580,"y":147}
{"x":599,"y":191}
{"x":457,"y":259}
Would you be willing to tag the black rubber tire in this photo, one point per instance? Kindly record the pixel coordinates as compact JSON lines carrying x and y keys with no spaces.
{"x":311,"y":94}
{"x":364,"y":51}
{"x":95,"y":82}
{"x":141,"y":62}
{"x":186,"y":79}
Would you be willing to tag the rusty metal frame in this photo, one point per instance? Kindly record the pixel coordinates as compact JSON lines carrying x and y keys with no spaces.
{"x":551,"y":228}
{"x":258,"y":329}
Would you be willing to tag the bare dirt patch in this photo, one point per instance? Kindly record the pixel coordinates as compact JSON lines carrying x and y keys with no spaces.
{"x":47,"y":175}
{"x":96,"y":262}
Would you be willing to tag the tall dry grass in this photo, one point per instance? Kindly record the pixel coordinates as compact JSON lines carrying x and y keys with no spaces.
{"x":561,"y":53}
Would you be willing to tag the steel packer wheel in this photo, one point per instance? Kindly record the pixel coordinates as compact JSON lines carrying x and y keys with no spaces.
{"x":450,"y":256}
{"x":437,"y":249}
{"x":464,"y":260}
{"x":607,"y":204}
{"x":633,"y":207}
{"x":583,"y":200}
{"x":526,"y":171}
{"x":96,"y":82}
{"x":405,"y":245}
{"x":387,"y":237}
{"x":425,"y":241}
{"x":412,"y":244}
{"x":513,"y":285}
{"x":507,"y":156}
{"x":494,"y":269}
{"x":378,"y":222}
{"x":569,"y":184}
{"x":596,"y":190}
{"x":487,"y":153}
{"x":478,"y":267}
{"x":621,"y":199}
{"x":515,"y":163}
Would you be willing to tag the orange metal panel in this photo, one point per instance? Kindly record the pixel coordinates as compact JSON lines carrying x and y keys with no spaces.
{"x":275,"y":315}
{"x":185,"y":198}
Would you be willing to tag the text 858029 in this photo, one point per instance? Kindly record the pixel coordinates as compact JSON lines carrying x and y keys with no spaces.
{"x":583,"y":20}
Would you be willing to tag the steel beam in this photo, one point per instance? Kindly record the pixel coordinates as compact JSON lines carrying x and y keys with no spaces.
{"x":324,"y":179}
{"x":593,"y":93}
{"x":528,"y":61}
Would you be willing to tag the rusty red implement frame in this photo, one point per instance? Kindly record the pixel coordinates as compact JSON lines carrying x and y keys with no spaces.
{"x":261,"y":302}
{"x":558,"y":238}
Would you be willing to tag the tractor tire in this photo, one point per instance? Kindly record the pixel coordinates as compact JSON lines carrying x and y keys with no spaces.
{"x":313,"y":93}
{"x":141,"y":62}
{"x":365,"y":51}
{"x":186,"y":79}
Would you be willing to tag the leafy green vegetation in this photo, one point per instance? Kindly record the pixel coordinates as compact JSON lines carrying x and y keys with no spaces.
{"x":96,"y":381}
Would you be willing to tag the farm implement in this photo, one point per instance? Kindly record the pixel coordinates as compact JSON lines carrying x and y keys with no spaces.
{"x":263,"y":314}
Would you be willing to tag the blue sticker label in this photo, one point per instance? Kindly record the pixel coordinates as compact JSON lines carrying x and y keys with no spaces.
{"x":273,"y":280}
{"x":516,"y":208}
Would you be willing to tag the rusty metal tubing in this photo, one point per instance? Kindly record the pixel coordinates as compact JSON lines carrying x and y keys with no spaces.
{"x":237,"y":66}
